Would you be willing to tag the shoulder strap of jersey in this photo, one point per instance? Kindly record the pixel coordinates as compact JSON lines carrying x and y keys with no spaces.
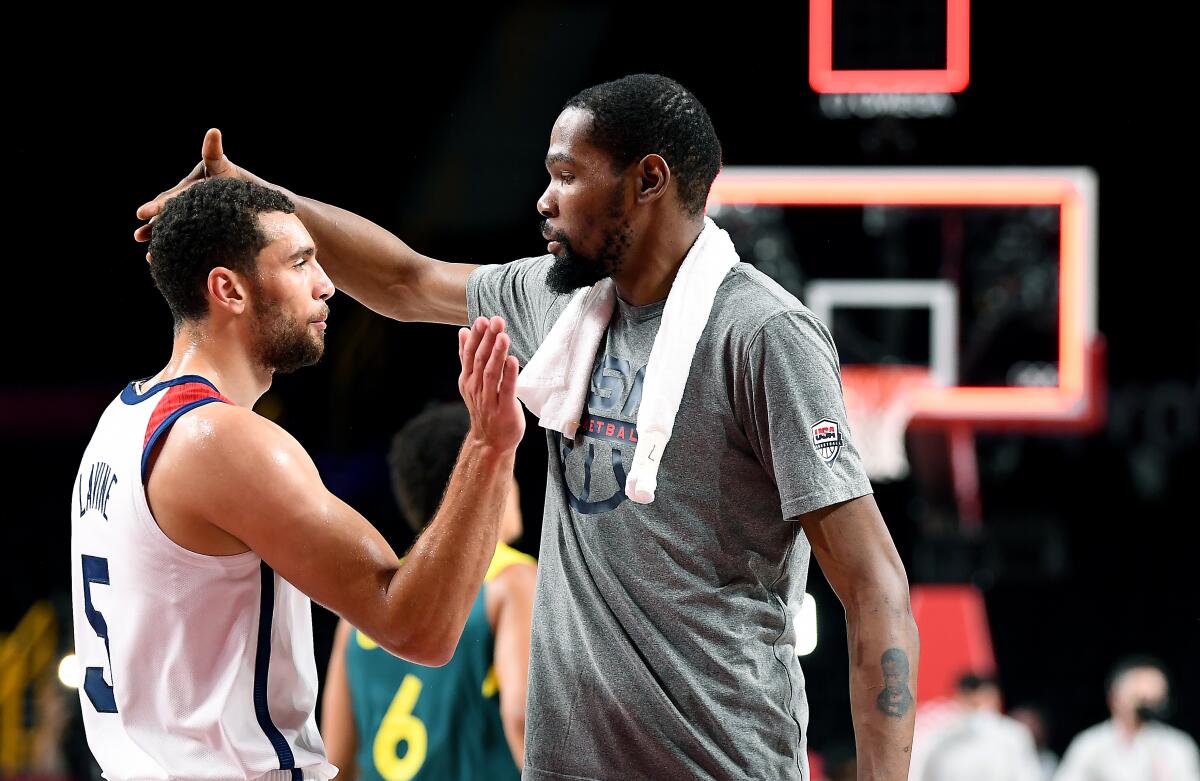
{"x":506,"y":557}
{"x":177,"y":400}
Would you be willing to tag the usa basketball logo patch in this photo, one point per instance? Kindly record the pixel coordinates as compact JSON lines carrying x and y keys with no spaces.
{"x":827,"y":439}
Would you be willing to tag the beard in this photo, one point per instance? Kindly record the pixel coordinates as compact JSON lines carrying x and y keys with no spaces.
{"x":285,"y":344}
{"x":575,"y":269}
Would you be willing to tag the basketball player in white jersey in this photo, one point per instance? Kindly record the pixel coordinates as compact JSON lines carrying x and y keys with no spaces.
{"x":200,"y":530}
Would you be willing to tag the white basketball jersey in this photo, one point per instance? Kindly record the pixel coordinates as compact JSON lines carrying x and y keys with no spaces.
{"x":195,"y":667}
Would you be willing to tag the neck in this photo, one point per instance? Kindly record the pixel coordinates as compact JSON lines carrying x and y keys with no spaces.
{"x":220,"y":355}
{"x":1127,"y":725}
{"x":652,"y":263}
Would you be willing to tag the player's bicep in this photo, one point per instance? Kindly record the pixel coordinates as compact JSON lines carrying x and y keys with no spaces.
{"x":438,"y":292}
{"x":519,"y":293}
{"x":254,"y":481}
{"x":789,"y":400}
{"x":856,"y":553}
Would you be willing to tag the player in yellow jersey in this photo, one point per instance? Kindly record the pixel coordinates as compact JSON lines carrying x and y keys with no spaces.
{"x":390,"y":720}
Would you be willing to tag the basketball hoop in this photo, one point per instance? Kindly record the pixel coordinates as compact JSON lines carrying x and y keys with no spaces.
{"x":877,"y":404}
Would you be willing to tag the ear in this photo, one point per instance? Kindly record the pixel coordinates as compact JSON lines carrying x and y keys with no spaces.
{"x":227,"y":290}
{"x":654,"y":175}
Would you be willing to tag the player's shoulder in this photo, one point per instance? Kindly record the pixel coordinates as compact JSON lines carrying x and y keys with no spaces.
{"x":511,"y":575}
{"x":534,"y":263}
{"x":533,"y":269}
{"x":753,"y":311}
{"x":521,"y":283}
{"x":215,"y":435}
{"x":518,"y":578}
{"x":748,"y":300}
{"x":510,"y":564}
{"x":223,"y":423}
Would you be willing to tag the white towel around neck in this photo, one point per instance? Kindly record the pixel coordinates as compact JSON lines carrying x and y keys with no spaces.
{"x":555,"y":382}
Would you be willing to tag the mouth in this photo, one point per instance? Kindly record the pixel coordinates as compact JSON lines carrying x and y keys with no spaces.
{"x":555,"y":240}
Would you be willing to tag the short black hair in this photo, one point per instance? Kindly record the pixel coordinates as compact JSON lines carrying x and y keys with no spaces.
{"x":422,"y":458}
{"x":212,"y":223}
{"x":647,"y":114}
{"x":1134,"y":662}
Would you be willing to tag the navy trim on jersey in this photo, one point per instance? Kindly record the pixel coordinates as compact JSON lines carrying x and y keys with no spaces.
{"x":262,"y":665}
{"x":166,"y":424}
{"x":131,"y":396}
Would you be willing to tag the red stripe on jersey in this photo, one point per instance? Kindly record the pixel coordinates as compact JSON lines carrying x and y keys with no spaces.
{"x":175,"y":398}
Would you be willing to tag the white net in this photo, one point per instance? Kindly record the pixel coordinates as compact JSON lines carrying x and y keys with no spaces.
{"x":877,"y":403}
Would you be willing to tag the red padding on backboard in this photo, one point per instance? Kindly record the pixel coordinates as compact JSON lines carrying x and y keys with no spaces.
{"x":955,"y":639}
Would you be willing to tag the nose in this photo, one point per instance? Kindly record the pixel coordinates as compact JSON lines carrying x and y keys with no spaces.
{"x":547,"y":205}
{"x":323,"y":287}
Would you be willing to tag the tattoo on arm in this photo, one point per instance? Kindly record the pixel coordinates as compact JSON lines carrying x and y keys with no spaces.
{"x":896,"y":699}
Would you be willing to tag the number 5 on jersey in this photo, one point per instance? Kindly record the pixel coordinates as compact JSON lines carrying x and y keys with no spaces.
{"x":95,"y":570}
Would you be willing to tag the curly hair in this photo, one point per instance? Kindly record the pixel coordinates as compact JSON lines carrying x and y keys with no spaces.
{"x":422,"y":458}
{"x":650,"y":114}
{"x":213,"y":223}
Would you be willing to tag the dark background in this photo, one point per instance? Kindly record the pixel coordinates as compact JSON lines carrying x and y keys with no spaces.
{"x":436,"y":129}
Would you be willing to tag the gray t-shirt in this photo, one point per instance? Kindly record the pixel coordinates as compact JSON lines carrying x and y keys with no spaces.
{"x":663,"y":638}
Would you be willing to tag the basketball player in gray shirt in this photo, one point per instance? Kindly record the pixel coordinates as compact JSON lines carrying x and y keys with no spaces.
{"x":663,"y":639}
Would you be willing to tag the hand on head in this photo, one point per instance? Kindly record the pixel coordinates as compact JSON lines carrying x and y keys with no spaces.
{"x":213,"y":164}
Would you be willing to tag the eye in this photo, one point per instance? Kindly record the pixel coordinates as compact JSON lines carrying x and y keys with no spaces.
{"x":566,"y":178}
{"x":300,"y":263}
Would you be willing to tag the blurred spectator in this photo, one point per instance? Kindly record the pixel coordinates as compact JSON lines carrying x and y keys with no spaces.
{"x":1135,"y":744}
{"x":1034,"y":719}
{"x":969,"y":739}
